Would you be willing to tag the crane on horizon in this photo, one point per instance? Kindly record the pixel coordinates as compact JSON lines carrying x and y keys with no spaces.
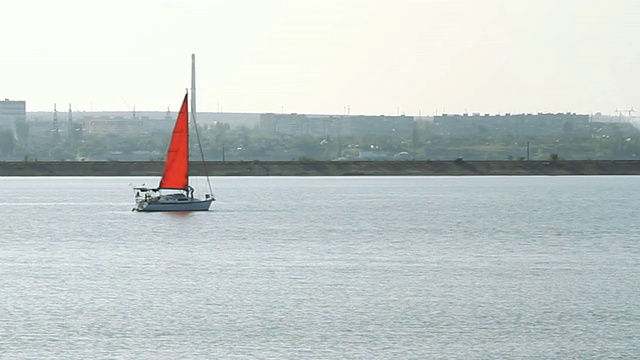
{"x":629,"y":112}
{"x":129,"y":106}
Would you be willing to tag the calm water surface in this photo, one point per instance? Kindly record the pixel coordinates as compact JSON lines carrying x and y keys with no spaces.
{"x":323,"y":268}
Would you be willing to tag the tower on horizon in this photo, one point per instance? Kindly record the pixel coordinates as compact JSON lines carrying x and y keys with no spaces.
{"x":54,"y":126}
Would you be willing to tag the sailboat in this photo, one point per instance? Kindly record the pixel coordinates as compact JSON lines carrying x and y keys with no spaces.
{"x":174,"y":192}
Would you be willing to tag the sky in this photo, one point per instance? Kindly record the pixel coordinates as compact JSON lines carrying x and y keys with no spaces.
{"x":413,"y":57}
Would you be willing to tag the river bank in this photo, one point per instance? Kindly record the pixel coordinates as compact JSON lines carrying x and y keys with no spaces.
{"x":326,"y":168}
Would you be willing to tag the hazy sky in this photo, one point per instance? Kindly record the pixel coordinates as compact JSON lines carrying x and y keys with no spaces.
{"x":308,"y":56}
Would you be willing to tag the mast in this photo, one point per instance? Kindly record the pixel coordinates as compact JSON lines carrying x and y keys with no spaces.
{"x":193,"y":116}
{"x":193,"y":88}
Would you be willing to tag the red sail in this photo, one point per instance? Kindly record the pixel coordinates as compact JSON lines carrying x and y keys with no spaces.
{"x":176,"y":168}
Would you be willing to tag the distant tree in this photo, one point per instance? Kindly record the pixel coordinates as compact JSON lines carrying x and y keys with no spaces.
{"x":22,"y":131}
{"x":77,"y":133}
{"x":415,"y":140}
{"x":59,"y":153}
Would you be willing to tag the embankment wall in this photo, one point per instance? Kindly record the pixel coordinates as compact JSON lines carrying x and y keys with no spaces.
{"x":325,"y":168}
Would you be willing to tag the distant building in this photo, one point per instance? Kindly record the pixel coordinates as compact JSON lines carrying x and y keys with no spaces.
{"x":345,"y":125}
{"x":394,"y":126}
{"x":155,"y":120}
{"x":543,"y":124}
{"x":12,"y":111}
{"x":112,"y":126}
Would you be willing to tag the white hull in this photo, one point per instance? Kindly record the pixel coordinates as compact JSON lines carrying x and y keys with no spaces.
{"x":169,"y":205}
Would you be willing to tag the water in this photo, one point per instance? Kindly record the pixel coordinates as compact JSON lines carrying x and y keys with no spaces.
{"x":323,"y":268}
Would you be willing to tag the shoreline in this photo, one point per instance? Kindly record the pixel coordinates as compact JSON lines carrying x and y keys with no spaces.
{"x":327,"y":168}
